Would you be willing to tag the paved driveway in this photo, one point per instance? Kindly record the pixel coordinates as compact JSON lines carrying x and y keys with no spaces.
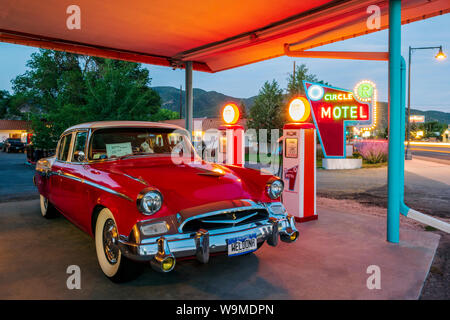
{"x":329,"y":261}
{"x":427,"y":186}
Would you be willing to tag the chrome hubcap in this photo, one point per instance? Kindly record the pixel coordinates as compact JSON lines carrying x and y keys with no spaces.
{"x":110,"y":237}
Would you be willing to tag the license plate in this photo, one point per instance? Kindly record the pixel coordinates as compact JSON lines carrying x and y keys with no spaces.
{"x":241,"y":245}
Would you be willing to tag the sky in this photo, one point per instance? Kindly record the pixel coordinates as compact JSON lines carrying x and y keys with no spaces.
{"x":430,"y":78}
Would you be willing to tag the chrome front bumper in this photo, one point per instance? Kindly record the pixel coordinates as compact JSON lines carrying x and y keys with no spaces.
{"x":200,"y":244}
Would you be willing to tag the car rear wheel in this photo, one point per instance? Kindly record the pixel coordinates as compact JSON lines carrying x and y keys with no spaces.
{"x":114,"y":265}
{"x":48,"y":211}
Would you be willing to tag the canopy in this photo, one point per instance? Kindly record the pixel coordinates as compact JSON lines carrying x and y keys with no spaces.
{"x":215,"y":35}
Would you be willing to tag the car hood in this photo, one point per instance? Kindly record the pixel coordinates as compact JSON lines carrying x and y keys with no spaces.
{"x":188,"y":184}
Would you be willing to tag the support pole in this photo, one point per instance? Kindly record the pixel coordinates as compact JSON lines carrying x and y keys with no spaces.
{"x":189,"y":98}
{"x":394,"y":176}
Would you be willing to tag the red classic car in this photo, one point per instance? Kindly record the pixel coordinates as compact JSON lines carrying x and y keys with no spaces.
{"x":141,"y":191}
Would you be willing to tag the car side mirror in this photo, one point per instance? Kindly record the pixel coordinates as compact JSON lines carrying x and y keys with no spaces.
{"x":79,"y":156}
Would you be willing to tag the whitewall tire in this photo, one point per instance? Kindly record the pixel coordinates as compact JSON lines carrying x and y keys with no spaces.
{"x":114,"y":265}
{"x":48,"y":211}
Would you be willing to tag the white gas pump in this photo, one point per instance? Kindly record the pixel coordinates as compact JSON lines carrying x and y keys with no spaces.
{"x":299,"y":163}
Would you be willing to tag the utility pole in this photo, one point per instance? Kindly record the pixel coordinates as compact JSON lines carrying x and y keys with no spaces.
{"x":181,"y":102}
{"x":293,"y":76}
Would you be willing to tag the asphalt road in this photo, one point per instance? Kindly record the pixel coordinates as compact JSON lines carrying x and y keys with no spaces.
{"x":16,"y":177}
{"x":440,"y":152}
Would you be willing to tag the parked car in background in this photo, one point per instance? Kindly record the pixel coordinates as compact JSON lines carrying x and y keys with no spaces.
{"x":144,"y":195}
{"x":13,"y":145}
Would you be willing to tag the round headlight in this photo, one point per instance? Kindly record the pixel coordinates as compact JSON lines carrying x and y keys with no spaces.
{"x":275,"y":189}
{"x":149,"y":202}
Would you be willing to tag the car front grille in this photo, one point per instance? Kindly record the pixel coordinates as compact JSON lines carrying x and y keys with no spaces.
{"x":225,"y":220}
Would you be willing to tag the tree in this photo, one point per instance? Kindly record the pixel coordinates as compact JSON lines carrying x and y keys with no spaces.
{"x":64,"y":89}
{"x":295,"y":84}
{"x":268,"y":111}
{"x":4,"y":101}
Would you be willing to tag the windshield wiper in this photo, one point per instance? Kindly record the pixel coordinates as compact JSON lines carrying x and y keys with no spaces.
{"x":131,"y":155}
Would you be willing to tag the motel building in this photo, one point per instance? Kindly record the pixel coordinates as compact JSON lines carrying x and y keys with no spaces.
{"x":16,"y":129}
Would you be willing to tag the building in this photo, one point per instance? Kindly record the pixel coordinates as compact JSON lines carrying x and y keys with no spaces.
{"x":446,"y":135}
{"x":17,"y":129}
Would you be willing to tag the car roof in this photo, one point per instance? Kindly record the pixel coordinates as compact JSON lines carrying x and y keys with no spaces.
{"x":118,"y":124}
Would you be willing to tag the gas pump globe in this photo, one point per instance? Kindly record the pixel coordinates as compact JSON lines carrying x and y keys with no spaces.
{"x":299,"y":162}
{"x":231,"y":142}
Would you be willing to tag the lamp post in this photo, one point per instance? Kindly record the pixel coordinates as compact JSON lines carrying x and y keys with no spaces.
{"x":440,"y":56}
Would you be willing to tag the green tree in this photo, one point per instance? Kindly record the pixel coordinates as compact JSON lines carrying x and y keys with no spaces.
{"x":4,"y":101}
{"x":65,"y":89}
{"x":295,"y":84}
{"x":267,"y":111}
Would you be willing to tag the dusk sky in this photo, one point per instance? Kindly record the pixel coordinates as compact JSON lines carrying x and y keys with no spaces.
{"x":430,"y":81}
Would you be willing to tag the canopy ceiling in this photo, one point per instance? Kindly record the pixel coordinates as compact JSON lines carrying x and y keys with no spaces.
{"x":216,"y":35}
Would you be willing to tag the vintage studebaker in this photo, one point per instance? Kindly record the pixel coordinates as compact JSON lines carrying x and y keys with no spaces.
{"x":142,"y":192}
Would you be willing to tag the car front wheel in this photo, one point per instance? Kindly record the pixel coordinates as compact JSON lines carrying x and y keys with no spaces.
{"x":114,"y":265}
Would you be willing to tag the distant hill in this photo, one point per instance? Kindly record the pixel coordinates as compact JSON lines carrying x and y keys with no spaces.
{"x":206,"y":103}
{"x":431,"y":115}
{"x":209,"y":103}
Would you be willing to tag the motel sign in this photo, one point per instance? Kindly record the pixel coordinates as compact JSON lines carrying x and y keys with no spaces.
{"x":333,"y":109}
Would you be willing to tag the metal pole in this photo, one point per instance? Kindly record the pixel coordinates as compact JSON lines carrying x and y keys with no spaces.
{"x":394,"y":177}
{"x":408,"y":155}
{"x":293,"y":77}
{"x":189,"y":98}
{"x":181,"y":102}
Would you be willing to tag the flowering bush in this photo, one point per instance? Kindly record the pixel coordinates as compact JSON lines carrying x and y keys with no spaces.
{"x":373,"y":151}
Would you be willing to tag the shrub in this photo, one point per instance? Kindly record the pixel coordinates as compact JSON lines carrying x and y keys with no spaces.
{"x":372,"y":151}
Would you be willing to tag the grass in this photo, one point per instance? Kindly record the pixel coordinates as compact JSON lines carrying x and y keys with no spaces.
{"x":374,"y":165}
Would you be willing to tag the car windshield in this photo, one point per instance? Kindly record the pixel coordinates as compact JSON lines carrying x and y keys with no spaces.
{"x":114,"y":143}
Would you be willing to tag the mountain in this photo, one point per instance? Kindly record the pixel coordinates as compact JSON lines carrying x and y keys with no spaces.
{"x":206,"y":103}
{"x":209,"y":103}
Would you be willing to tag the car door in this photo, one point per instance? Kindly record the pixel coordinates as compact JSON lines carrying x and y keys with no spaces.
{"x":56,"y":194}
{"x":73,"y":190}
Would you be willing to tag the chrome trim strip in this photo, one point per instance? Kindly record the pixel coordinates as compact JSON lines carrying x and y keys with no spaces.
{"x":93,"y":184}
{"x":231,"y":221}
{"x":136,"y":179}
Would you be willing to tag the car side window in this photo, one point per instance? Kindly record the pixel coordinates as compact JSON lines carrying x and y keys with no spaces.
{"x":64,"y":147}
{"x":79,"y":145}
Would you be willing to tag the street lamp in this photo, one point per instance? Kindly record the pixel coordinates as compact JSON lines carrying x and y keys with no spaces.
{"x":440,"y":56}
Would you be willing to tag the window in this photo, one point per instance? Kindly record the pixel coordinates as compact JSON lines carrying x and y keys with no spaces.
{"x":80,"y":143}
{"x":116,"y":142}
{"x":64,"y":147}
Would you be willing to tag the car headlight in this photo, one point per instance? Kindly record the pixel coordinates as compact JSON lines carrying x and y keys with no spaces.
{"x":149,"y":201}
{"x":274,"y":189}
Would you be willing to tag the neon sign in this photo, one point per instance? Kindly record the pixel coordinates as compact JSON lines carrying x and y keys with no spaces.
{"x":333,"y":109}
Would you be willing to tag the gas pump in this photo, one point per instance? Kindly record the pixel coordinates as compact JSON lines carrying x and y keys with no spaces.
{"x":231,"y":141}
{"x":299,"y":162}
